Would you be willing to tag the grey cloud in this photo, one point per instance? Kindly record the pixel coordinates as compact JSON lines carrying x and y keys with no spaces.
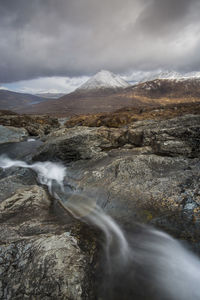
{"x":75,"y":38}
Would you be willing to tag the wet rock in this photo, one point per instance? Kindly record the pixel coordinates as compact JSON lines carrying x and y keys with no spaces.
{"x":9,"y":134}
{"x":147,"y":188}
{"x":40,"y":258}
{"x":13,"y":179}
{"x":21,"y":150}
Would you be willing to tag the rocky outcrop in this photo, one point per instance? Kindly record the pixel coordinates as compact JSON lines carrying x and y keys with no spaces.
{"x":35,"y":125}
{"x":178,"y":136}
{"x":146,"y":172}
{"x":40,"y":256}
{"x":174,"y":137}
{"x":80,"y":143}
{"x":10,"y":134}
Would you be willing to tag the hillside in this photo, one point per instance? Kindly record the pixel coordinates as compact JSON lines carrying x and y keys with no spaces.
{"x":16,"y":101}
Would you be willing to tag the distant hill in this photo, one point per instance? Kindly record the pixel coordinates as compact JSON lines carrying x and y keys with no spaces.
{"x":108,"y":99}
{"x":16,"y":101}
{"x":50,"y":95}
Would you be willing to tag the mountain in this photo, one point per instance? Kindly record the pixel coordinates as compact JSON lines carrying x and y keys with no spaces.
{"x":104,"y":80}
{"x":154,"y":93}
{"x":16,"y":101}
{"x":99,"y":93}
{"x":168,"y":88}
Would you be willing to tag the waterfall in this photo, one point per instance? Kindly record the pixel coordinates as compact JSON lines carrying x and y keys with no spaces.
{"x":145,"y":264}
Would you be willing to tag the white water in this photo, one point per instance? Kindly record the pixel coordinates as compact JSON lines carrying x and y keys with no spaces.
{"x":172,"y":271}
{"x":49,"y":172}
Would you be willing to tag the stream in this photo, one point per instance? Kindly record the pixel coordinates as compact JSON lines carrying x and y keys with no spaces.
{"x":143,"y":264}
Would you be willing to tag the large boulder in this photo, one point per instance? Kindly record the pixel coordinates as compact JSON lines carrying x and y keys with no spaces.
{"x":80,"y":143}
{"x":9,"y":134}
{"x":174,"y":137}
{"x":40,"y":256}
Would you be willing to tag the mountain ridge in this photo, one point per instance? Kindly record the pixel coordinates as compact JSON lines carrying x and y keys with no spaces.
{"x":10,"y":100}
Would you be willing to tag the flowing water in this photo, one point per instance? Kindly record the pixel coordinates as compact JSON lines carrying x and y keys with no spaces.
{"x":142,"y":265}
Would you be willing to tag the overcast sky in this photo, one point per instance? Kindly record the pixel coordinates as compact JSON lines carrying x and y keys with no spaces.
{"x":69,"y":40}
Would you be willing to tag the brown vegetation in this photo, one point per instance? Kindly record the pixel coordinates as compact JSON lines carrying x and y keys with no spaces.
{"x":129,"y":115}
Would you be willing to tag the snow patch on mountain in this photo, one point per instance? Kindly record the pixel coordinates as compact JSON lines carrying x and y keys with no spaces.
{"x":137,"y":77}
{"x":104,"y":80}
{"x":173,"y":75}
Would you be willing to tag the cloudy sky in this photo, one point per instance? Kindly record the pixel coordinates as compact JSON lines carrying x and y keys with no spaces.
{"x":57,"y":44}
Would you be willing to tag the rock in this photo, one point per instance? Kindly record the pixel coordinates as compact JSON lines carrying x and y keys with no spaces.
{"x":147,"y":188}
{"x":174,"y":137}
{"x":14,"y":178}
{"x":9,"y":134}
{"x":21,"y":150}
{"x":49,"y":267}
{"x":35,"y":125}
{"x":40,"y":256}
{"x":178,"y":136}
{"x":80,"y":143}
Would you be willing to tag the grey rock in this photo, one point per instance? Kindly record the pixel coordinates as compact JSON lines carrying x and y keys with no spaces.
{"x":47,"y":267}
{"x":80,"y":143}
{"x":21,"y":150}
{"x":174,"y":137}
{"x":14,"y":178}
{"x":146,"y":188}
{"x":9,"y":134}
{"x":40,"y":258}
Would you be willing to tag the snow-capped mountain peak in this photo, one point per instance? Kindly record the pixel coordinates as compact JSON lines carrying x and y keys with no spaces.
{"x":104,"y":80}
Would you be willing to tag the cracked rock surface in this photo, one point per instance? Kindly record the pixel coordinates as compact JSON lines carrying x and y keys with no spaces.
{"x":40,"y":258}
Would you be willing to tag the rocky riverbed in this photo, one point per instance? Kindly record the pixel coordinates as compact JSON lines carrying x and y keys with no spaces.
{"x":147,"y":171}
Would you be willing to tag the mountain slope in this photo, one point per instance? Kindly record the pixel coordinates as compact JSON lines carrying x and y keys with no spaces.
{"x":17,"y":101}
{"x":169,"y":88}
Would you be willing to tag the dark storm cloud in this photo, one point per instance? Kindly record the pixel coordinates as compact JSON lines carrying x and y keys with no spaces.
{"x":79,"y":37}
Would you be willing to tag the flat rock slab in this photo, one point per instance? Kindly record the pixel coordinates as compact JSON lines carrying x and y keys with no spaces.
{"x":9,"y":134}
